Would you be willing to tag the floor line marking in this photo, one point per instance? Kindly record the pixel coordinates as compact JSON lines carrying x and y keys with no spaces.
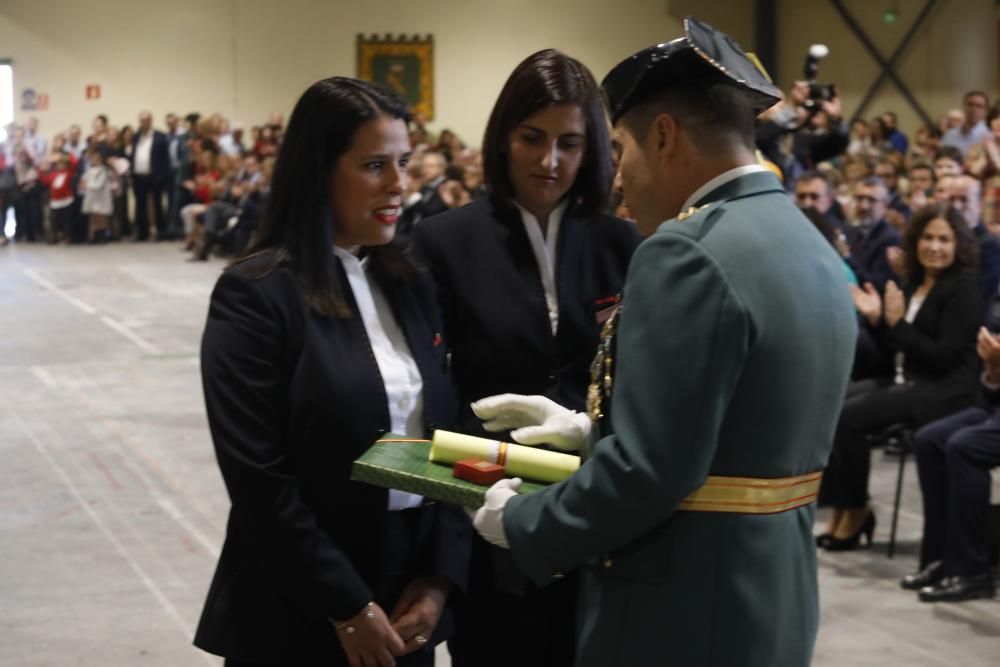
{"x":85,"y":307}
{"x":146,"y":580}
{"x":141,"y":342}
{"x":140,"y":455}
{"x":82,"y":305}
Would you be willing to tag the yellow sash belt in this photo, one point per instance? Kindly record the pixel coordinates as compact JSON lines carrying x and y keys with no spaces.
{"x":753,"y":495}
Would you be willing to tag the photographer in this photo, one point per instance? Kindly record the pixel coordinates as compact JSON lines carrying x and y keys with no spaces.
{"x":816,"y":129}
{"x":807,"y":126}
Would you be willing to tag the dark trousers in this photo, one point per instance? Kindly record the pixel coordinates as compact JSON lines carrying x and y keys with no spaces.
{"x":868,"y":408}
{"x":173,"y":211}
{"x":5,"y":204}
{"x":954,"y":456}
{"x":419,"y":659}
{"x":62,"y":223}
{"x":28,"y":211}
{"x":144,"y":186}
{"x":505,"y":620}
{"x":122,"y":225}
{"x":80,"y":222}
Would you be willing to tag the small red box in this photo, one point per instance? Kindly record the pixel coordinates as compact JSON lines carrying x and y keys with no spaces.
{"x":478,"y":471}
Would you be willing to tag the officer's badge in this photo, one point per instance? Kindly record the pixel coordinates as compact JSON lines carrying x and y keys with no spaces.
{"x":684,"y":215}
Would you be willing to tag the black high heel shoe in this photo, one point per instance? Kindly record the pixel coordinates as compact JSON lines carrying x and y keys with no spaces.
{"x":823,"y":539}
{"x":851,"y":543}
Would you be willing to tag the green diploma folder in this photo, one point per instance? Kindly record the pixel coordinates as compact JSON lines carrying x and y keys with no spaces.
{"x":397,"y":462}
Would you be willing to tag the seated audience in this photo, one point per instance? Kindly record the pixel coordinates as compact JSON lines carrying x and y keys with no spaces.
{"x":973,"y":128}
{"x":868,"y":257}
{"x":954,"y":456}
{"x":948,"y":162}
{"x":926,"y":333}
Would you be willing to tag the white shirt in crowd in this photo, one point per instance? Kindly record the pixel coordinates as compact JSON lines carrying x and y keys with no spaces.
{"x":142,"y":161}
{"x":544,"y":248}
{"x":964,"y":140}
{"x":39,"y":144}
{"x":228,"y":145}
{"x":404,"y":387}
{"x":911,"y":314}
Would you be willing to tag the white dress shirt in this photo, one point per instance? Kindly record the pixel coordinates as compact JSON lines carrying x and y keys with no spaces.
{"x":404,"y":388}
{"x":142,"y":161}
{"x":911,"y":314}
{"x":544,"y":247}
{"x":718,"y":182}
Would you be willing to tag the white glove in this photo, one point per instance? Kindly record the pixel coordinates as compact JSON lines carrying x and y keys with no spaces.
{"x":536,"y":420}
{"x":489,"y":518}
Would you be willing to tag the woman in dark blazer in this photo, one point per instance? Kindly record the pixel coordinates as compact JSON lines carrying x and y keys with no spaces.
{"x":317,"y":343}
{"x":526,"y":278}
{"x":927,"y":331}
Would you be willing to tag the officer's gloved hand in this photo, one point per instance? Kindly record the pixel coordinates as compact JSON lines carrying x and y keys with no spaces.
{"x":488,"y":519}
{"x":536,"y":420}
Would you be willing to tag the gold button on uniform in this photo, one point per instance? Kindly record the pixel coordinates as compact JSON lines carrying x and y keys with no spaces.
{"x":607,"y":562}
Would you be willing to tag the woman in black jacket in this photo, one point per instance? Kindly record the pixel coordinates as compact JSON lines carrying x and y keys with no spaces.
{"x":526,"y":278}
{"x":928,"y":331}
{"x":317,"y":343}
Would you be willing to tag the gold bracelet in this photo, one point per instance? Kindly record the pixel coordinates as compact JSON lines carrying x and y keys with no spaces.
{"x":346,"y":626}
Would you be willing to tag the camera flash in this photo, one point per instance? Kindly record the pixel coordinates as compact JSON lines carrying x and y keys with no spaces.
{"x":819,"y":51}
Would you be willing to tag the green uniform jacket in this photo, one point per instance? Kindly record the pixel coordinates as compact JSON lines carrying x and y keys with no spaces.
{"x":734,"y":347}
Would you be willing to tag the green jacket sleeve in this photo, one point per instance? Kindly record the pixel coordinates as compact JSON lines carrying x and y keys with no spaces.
{"x":682,"y":340}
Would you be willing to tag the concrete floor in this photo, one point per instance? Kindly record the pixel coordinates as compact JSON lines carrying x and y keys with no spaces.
{"x":113,"y":510}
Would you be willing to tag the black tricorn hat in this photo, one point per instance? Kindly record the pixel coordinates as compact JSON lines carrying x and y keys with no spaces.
{"x":703,"y":54}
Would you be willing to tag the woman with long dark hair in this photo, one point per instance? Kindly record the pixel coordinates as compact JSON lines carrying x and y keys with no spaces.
{"x":927,"y":333}
{"x":526,"y":277}
{"x":317,"y":342}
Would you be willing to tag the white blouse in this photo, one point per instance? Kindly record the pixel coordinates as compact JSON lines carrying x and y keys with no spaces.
{"x":544,"y":247}
{"x":404,"y":388}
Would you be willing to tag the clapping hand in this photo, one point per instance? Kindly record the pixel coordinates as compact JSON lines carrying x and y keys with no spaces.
{"x":988,"y":348}
{"x":895,"y":304}
{"x":867,"y":302}
{"x":897,"y":259}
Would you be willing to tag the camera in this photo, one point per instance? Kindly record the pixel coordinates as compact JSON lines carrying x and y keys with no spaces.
{"x":818,"y":92}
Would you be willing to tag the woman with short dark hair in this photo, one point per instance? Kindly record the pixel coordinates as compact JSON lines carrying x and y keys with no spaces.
{"x":318,"y":342}
{"x":927,"y":331}
{"x":526,"y":277}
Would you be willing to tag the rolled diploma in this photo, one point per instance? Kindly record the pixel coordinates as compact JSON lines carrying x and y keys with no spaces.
{"x":521,"y":461}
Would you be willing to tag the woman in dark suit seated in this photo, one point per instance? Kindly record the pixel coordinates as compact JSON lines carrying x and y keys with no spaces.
{"x":927,"y":331}
{"x":526,"y":277}
{"x":323,"y":338}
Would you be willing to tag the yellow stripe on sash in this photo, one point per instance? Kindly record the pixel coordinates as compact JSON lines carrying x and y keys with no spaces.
{"x":753,"y":495}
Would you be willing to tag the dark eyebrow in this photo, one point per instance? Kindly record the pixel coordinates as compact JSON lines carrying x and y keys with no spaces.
{"x":385,"y":156}
{"x":541,"y":131}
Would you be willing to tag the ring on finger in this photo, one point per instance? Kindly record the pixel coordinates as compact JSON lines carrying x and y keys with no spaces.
{"x":420,"y":639}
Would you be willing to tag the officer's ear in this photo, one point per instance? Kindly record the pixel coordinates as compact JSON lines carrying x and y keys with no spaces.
{"x":663,"y":135}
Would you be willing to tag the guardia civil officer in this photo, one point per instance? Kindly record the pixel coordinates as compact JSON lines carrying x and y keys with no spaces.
{"x":714,"y":396}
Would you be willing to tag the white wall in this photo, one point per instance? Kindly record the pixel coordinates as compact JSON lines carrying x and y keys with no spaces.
{"x":247,"y":58}
{"x":955,"y":51}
